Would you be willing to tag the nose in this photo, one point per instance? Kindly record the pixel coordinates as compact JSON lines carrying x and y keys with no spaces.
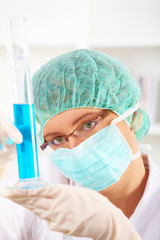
{"x":73,"y":142}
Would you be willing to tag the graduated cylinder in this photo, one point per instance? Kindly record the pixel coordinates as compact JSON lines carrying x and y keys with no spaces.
{"x":22,"y":97}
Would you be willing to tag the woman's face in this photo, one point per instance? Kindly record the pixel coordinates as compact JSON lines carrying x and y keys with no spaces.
{"x":66,"y":122}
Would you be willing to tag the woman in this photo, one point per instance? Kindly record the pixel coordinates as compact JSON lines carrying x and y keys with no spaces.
{"x":87,"y":104}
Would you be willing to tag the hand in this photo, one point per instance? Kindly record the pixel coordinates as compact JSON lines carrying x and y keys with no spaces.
{"x":9,"y":135}
{"x":76,"y":211}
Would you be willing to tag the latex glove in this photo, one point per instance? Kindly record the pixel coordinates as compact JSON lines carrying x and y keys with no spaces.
{"x":9,"y":135}
{"x":76,"y":211}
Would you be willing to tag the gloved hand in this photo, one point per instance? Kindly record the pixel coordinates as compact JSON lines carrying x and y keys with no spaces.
{"x":9,"y":135}
{"x":76,"y":211}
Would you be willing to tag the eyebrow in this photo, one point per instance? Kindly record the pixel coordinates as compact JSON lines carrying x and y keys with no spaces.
{"x":83,"y":116}
{"x":76,"y":121}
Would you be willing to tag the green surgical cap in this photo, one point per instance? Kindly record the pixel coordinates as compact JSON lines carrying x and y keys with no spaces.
{"x":85,"y":78}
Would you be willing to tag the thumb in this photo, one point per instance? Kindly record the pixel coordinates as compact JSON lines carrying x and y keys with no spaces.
{"x":13,"y":133}
{"x":8,"y":130}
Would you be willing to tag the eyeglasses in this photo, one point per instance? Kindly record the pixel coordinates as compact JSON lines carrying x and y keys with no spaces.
{"x":83,"y":132}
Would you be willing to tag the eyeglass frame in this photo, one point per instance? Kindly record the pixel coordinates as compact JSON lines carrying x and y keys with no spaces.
{"x":102,"y":116}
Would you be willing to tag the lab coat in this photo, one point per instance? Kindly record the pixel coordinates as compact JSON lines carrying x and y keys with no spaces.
{"x":18,"y":223}
{"x":146,"y":217}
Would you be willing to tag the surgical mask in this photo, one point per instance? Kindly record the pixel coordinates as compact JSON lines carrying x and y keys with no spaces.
{"x":99,"y":161}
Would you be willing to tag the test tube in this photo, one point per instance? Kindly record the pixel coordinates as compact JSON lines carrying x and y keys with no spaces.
{"x":23,"y":106}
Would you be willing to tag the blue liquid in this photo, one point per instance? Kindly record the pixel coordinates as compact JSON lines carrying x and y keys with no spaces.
{"x":27,"y":150}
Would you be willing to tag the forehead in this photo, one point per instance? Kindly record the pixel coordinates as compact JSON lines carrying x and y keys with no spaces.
{"x":65,"y":120}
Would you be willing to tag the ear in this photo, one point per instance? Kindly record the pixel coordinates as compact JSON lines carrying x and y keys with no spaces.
{"x":137,"y":119}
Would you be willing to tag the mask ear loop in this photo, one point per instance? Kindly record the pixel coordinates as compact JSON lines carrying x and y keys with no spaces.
{"x":122,"y":117}
{"x":136,"y":155}
{"x":126,"y":114}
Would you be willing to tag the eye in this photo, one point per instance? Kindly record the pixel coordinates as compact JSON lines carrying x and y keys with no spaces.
{"x":57,"y":141}
{"x":89,"y":125}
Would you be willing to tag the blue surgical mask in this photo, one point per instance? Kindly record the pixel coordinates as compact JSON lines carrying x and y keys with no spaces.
{"x":99,"y":161}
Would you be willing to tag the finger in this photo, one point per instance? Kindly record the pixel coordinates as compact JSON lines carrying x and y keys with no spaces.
{"x":48,"y":191}
{"x":40,"y":203}
{"x":18,"y":193}
{"x":31,"y":203}
{"x":9,"y":131}
{"x":13,"y":193}
{"x":35,"y":202}
{"x":13,"y":133}
{"x":43,"y":214}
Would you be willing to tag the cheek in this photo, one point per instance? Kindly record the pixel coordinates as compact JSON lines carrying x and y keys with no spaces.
{"x":129,"y":135}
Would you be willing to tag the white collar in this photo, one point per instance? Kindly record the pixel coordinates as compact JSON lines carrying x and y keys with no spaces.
{"x":152,"y":185}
